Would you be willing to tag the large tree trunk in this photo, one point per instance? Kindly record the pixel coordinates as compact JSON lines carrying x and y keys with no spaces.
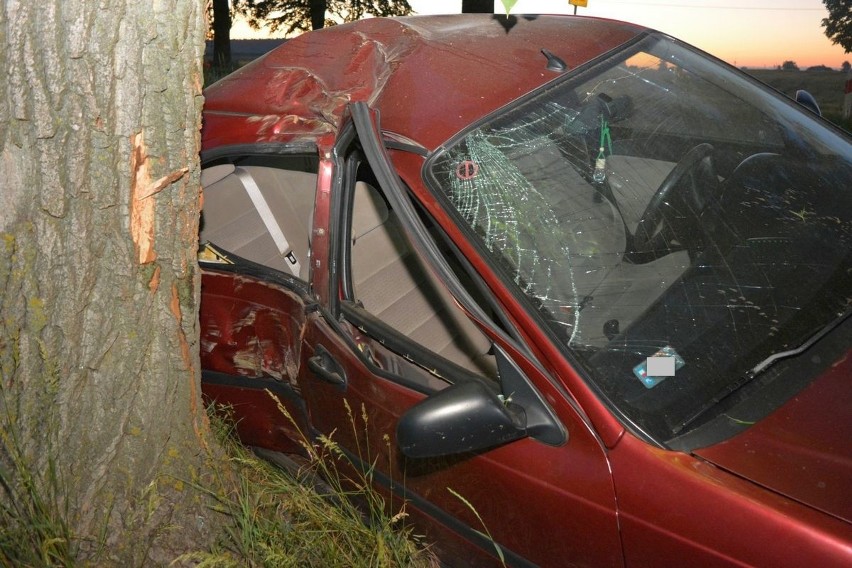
{"x":99,"y":201}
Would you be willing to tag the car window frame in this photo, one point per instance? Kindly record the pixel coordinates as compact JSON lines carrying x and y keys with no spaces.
{"x":363,"y":127}
{"x":233,"y":154}
{"x":345,"y":305}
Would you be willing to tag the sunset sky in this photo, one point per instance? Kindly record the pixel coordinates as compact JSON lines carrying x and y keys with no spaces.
{"x":747,"y":33}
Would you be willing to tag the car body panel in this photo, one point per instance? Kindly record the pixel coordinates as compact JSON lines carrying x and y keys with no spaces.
{"x":674,"y":506}
{"x":791,"y":453}
{"x":273,"y":100}
{"x":248,"y":328}
{"x":297,"y":359}
{"x":364,"y":416}
{"x":250,"y":344}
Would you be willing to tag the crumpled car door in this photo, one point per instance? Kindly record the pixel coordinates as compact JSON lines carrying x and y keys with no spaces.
{"x":526,"y":502}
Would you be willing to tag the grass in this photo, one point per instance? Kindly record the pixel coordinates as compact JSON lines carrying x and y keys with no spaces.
{"x":310,"y":515}
{"x":33,"y":529}
{"x":213,"y":73}
{"x":827,"y":87}
{"x":303,"y":517}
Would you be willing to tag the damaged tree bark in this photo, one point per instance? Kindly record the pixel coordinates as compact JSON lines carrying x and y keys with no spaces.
{"x":99,"y":284}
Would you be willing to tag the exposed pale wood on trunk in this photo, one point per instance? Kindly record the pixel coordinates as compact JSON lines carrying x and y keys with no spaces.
{"x":99,"y":285}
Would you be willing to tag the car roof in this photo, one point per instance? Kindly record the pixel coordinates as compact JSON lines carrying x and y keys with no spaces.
{"x":429,"y":76}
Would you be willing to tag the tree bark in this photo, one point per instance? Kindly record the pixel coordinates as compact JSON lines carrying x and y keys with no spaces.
{"x":99,"y":284}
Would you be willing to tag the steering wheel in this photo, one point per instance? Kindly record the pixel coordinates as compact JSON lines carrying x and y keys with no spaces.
{"x":680,"y":187}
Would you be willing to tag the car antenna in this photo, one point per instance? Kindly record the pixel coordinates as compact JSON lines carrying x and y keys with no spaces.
{"x":554,"y":63}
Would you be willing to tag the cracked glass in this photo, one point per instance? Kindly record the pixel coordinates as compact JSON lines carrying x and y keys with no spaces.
{"x":662,"y":205}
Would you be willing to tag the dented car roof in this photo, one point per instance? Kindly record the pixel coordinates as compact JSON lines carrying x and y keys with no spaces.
{"x":423,"y":73}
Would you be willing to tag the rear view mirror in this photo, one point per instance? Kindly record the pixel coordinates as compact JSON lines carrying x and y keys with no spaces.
{"x":807,"y":100}
{"x":464,"y":417}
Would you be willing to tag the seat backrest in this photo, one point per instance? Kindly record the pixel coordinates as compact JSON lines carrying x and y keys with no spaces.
{"x":231,"y":221}
{"x":634,"y":181}
{"x":394,"y":284}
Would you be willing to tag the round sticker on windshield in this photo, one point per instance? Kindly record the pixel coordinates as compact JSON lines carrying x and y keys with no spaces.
{"x":467,"y":169}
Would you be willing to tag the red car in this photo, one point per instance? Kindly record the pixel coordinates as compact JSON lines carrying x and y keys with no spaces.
{"x":590,"y":286}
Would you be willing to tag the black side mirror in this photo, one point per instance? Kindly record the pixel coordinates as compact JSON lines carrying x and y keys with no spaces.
{"x":807,"y":100}
{"x":464,"y":417}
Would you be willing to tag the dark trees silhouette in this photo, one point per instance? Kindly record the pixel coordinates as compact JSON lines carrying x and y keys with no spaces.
{"x":292,"y":16}
{"x":477,"y":6}
{"x":838,"y":24}
{"x":221,"y":23}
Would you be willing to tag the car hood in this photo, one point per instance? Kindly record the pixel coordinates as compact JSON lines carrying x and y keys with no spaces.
{"x":804,"y":449}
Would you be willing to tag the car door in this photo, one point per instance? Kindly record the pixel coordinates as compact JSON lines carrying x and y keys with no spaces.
{"x":254,"y":251}
{"x":392,"y":340}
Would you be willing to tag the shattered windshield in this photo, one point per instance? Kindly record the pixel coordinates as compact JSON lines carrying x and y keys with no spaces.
{"x":674,"y":224}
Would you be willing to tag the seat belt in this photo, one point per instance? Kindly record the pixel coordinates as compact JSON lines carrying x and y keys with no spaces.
{"x":269,"y":220}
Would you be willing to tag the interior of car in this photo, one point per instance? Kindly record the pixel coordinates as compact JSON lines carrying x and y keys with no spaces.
{"x":395,"y":285}
{"x":389,"y":278}
{"x":260,"y":213}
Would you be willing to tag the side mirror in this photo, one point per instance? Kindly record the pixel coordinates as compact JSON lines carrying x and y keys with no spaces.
{"x":808,"y":101}
{"x":464,"y":417}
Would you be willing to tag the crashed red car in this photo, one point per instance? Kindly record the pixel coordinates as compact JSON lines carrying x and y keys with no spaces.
{"x":590,"y":286}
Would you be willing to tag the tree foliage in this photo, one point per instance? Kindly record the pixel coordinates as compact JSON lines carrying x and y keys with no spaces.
{"x":292,"y":16}
{"x":838,"y":24}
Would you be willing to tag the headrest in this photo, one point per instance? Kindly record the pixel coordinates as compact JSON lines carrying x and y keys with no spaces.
{"x":211,"y":175}
{"x":369,"y":210}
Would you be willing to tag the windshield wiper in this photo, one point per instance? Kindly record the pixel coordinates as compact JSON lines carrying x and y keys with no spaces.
{"x":762,"y":366}
{"x":825,"y":330}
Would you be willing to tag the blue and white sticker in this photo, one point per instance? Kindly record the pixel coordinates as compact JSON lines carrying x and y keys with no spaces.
{"x":659,"y":366}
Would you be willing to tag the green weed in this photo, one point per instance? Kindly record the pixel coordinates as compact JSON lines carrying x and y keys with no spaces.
{"x":33,"y":528}
{"x":486,"y":534}
{"x":307,"y":512}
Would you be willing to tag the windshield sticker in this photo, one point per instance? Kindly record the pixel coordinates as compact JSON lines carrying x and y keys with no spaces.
{"x":467,"y":169}
{"x":653,"y":370}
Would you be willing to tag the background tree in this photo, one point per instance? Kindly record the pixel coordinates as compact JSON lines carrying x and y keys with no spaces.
{"x":219,"y":12}
{"x":838,"y":24}
{"x":100,"y":415}
{"x":789,"y":66}
{"x":845,"y":66}
{"x":292,"y":16}
{"x":477,"y":7}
